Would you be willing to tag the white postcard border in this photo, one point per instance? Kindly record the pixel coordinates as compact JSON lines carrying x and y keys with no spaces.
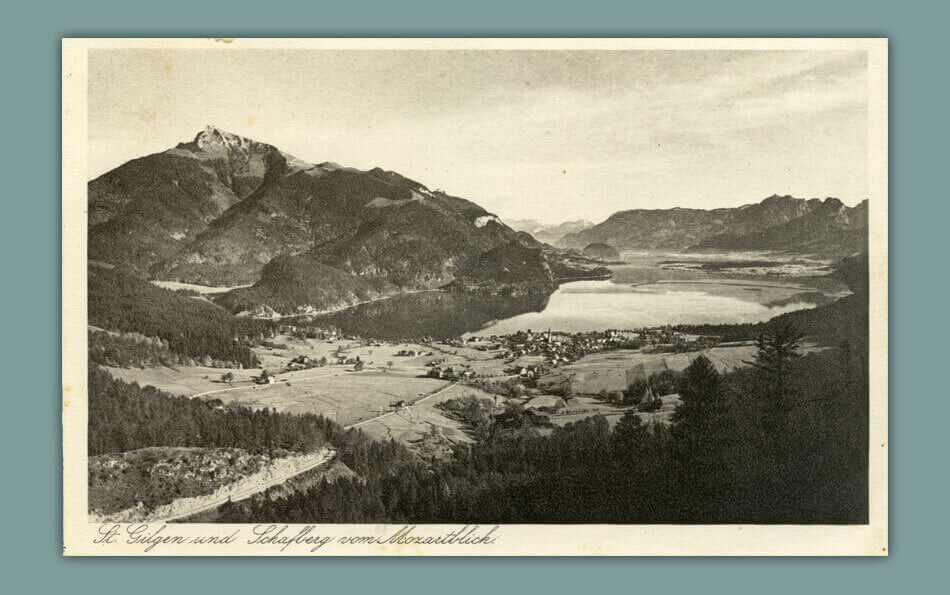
{"x":83,"y":538}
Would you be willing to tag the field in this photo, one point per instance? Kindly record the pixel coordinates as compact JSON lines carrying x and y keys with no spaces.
{"x":346,"y":398}
{"x":612,"y":371}
{"x":337,"y":391}
{"x":423,"y":426}
{"x":393,"y":398}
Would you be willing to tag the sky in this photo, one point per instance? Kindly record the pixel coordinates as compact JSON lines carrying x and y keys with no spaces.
{"x":545,"y":135}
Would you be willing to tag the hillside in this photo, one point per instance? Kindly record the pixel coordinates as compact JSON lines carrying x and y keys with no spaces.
{"x":781,"y":223}
{"x":192,"y":328}
{"x":293,"y":283}
{"x":223,"y":210}
{"x":507,"y":265}
{"x":601,"y":251}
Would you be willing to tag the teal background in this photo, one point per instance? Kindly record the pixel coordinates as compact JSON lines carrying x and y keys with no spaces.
{"x":30,"y":532}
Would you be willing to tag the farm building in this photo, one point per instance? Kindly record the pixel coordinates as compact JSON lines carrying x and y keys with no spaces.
{"x":546,"y":404}
{"x":264,"y":378}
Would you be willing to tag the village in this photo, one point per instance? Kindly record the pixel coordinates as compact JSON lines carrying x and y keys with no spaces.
{"x":397,"y":389}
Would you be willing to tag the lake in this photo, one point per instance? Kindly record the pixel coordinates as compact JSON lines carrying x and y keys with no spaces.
{"x":582,"y":306}
{"x":598,"y":305}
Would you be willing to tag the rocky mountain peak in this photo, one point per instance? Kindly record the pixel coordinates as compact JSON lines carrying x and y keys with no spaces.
{"x":212,"y":139}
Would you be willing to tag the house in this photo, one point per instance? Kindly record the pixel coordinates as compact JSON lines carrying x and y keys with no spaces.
{"x":546,"y":404}
{"x":450,"y":372}
{"x":264,"y":378}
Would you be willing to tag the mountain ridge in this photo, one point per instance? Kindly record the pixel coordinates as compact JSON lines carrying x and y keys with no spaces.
{"x":821,"y":227}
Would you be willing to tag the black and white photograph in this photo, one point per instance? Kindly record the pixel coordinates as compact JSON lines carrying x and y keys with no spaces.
{"x":466,"y":297}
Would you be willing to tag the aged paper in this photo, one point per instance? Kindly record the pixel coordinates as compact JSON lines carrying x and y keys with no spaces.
{"x":587,"y":297}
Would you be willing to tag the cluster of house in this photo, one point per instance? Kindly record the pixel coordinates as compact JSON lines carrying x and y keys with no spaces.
{"x":308,"y":332}
{"x":562,"y":348}
{"x":304,"y":362}
{"x":526,"y":371}
{"x":412,"y":353}
{"x":456,"y":372}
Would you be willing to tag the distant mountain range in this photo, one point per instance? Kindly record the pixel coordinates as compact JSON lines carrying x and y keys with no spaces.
{"x":826,"y":228}
{"x":224,"y":210}
{"x":548,"y":233}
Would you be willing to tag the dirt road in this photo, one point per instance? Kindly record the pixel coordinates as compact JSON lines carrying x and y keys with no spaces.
{"x":395,"y":411}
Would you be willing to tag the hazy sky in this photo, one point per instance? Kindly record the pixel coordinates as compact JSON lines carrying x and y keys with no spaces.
{"x":526,"y":134}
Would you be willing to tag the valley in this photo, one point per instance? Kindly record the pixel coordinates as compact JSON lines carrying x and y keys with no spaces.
{"x":394,"y":393}
{"x":262,"y":329}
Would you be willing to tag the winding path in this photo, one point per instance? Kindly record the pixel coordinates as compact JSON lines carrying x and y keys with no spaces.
{"x":247,"y":492}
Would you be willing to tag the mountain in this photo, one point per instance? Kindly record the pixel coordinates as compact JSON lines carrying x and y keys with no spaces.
{"x":146,"y":213}
{"x":781,"y":223}
{"x":644,"y":229}
{"x":828,"y":228}
{"x":224,"y":210}
{"x":549,"y":234}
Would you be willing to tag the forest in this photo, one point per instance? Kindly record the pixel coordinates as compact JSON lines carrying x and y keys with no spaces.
{"x":190,"y":327}
{"x":783,"y":441}
{"x":125,"y":416}
{"x":126,"y":350}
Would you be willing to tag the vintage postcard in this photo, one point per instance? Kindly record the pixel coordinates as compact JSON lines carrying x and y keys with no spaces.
{"x":475,"y":297}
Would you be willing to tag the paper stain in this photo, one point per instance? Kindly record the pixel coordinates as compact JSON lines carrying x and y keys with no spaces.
{"x":224,"y":39}
{"x":251,"y":120}
{"x":146,"y":116}
{"x":164,"y":65}
{"x":442,"y":73}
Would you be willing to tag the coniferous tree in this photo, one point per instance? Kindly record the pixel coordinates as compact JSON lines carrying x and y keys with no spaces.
{"x":773,"y":362}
